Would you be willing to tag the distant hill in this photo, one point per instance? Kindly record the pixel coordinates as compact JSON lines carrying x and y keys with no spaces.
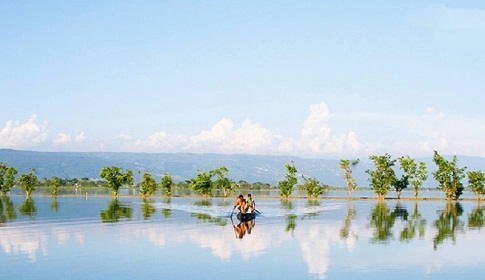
{"x":183,"y":166}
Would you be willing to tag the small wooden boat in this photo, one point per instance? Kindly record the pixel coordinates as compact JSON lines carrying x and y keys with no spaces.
{"x":246,"y":217}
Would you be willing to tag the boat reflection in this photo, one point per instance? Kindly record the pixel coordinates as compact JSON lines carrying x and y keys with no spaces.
{"x":245,"y":225}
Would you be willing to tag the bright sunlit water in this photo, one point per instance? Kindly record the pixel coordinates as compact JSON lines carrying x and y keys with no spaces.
{"x":78,"y":237}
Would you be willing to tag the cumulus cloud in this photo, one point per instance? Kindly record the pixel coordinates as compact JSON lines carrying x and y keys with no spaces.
{"x":20,"y":135}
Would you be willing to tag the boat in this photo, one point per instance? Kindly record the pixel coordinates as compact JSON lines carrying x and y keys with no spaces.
{"x":246,"y":217}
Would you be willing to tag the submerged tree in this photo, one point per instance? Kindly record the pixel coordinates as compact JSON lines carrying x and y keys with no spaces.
{"x":400,"y":185}
{"x":449,"y":176}
{"x":350,"y":181}
{"x":222,"y":181}
{"x":148,"y":185}
{"x":202,"y":183}
{"x":7,"y":178}
{"x":286,"y":186}
{"x":167,"y":184}
{"x":383,"y":176}
{"x":476,"y":182}
{"x":416,"y":174}
{"x":28,"y":182}
{"x":312,"y":186}
{"x":115,"y":178}
{"x":54,"y":183}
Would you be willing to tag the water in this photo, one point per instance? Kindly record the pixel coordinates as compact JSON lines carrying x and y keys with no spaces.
{"x":93,"y":237}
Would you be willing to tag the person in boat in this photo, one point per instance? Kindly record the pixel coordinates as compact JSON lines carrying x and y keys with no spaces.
{"x":240,"y":204}
{"x":250,"y":204}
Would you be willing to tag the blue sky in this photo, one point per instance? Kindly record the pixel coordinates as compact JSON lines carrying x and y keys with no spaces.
{"x":325,"y":79}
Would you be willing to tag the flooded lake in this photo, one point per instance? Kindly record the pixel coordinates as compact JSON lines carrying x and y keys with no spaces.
{"x":98,"y":237}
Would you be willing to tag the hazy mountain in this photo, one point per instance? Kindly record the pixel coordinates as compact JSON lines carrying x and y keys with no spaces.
{"x":183,"y":166}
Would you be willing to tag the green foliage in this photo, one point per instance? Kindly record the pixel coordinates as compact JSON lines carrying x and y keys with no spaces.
{"x":476,"y":182}
{"x":147,"y":209}
{"x":202,"y":183}
{"x":28,"y":208}
{"x":148,"y":185}
{"x":167,"y":184}
{"x":7,"y":210}
{"x":312,"y":186}
{"x":448,"y":223}
{"x":28,"y":182}
{"x":415,"y":223}
{"x":382,"y":177}
{"x":222,"y":181}
{"x":449,"y":176}
{"x":7,"y":178}
{"x":476,"y":219}
{"x":416,"y":175}
{"x":54,"y":183}
{"x":400,"y":185}
{"x":286,"y":186}
{"x":350,"y":181}
{"x":115,"y":178}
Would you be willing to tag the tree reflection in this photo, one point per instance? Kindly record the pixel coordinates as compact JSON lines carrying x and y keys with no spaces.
{"x":7,"y":211}
{"x":351,"y":212}
{"x":28,"y":208}
{"x":54,"y":204}
{"x":116,"y":211}
{"x":203,"y":203}
{"x":147,"y":208}
{"x":448,"y":223}
{"x":312,"y":203}
{"x":167,"y":212}
{"x":476,"y":219}
{"x":206,"y":218}
{"x":286,"y":204}
{"x":382,"y":220}
{"x":415,"y":223}
{"x":290,"y":223}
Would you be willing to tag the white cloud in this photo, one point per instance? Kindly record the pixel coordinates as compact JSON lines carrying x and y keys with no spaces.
{"x":18,"y":135}
{"x":80,"y":137}
{"x":62,"y":138}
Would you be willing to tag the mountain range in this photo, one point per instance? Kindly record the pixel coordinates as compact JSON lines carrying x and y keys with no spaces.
{"x":183,"y":166}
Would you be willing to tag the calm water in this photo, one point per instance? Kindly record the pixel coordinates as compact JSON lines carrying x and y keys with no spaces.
{"x":91,"y":237}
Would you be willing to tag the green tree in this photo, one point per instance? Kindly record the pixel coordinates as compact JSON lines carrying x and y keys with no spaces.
{"x":54,"y":183}
{"x":222,"y":181}
{"x":286,"y":186}
{"x":476,"y":182}
{"x":383,"y":176}
{"x":7,"y":178}
{"x":350,"y":181}
{"x":148,"y":185}
{"x":167,"y":184}
{"x":312,"y":186}
{"x":416,"y":174}
{"x":28,"y":182}
{"x":400,"y":185}
{"x":115,"y":178}
{"x":202,"y":183}
{"x":449,"y":176}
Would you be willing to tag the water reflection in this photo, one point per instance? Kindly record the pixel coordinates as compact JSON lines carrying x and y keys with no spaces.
{"x":28,"y":208}
{"x":382,"y":220}
{"x":167,"y":212}
{"x":416,"y":223}
{"x":448,"y":223}
{"x":476,"y":219}
{"x":116,"y":211}
{"x":206,"y":218}
{"x":147,"y":208}
{"x":7,"y":210}
{"x":345,"y":230}
{"x":54,"y":205}
{"x":243,"y":227}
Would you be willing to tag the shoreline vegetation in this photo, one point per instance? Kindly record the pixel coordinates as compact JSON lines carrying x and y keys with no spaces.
{"x":384,"y":178}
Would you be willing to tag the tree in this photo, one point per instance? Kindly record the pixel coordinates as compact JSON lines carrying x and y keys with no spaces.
{"x":115,"y":178}
{"x":345,"y":165}
{"x":28,"y":182}
{"x":167,"y":184}
{"x":148,"y":185}
{"x":203,"y":183}
{"x":383,"y":176}
{"x":54,"y":183}
{"x":286,"y":186}
{"x":416,"y":175}
{"x":222,"y":181}
{"x":449,"y":176}
{"x":7,"y":178}
{"x":312,"y":186}
{"x":400,"y":185}
{"x":476,"y":182}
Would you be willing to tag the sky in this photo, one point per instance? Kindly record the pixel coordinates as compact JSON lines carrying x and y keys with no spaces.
{"x":315,"y":79}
